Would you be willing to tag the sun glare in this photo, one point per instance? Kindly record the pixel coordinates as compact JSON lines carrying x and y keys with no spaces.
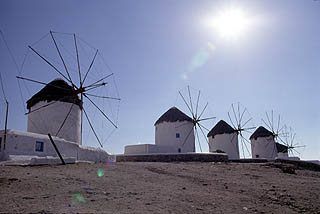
{"x":231,"y":23}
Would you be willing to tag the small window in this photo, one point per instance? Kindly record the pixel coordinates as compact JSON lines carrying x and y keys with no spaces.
{"x":179,"y":150}
{"x":39,"y":146}
{"x":177,"y":135}
{"x":0,"y":143}
{"x":257,"y":156}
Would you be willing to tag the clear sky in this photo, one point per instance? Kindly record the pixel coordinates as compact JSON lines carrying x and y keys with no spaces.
{"x":156,"y":48}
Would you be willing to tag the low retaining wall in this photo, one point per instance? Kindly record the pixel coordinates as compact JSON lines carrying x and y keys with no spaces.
{"x":250,"y":160}
{"x":190,"y":157}
{"x":25,"y":144}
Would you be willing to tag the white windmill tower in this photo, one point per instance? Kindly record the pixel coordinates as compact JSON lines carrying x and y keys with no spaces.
{"x":224,"y":137}
{"x":84,"y":88}
{"x":56,"y":109}
{"x":290,"y":145}
{"x":265,"y":143}
{"x":170,"y":128}
{"x":180,"y":129}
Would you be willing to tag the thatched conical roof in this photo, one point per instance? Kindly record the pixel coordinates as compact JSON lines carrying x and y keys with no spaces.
{"x":261,"y":132}
{"x":173,"y":115}
{"x":222,"y":127}
{"x":56,"y":90}
{"x":281,"y":148}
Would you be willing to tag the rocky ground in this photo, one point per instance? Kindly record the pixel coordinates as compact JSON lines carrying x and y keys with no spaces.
{"x":159,"y":188}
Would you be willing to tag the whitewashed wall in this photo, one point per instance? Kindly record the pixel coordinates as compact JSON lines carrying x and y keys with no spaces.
{"x":136,"y":149}
{"x":148,"y":149}
{"x":263,"y":147}
{"x":49,"y":119}
{"x":227,"y":143}
{"x":282,"y":154}
{"x":24,"y":143}
{"x":165,"y":135}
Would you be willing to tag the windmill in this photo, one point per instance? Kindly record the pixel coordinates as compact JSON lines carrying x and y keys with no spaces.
{"x":274,"y":125}
{"x":291,"y":142}
{"x":197,"y":114}
{"x":277,"y":129}
{"x":241,"y":121}
{"x":87,"y":78}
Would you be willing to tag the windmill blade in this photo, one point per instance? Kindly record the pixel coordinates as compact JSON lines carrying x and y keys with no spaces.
{"x":246,"y":122}
{"x":65,"y":119}
{"x":49,"y":63}
{"x":203,"y":127}
{"x":282,"y":128}
{"x":235,"y":116}
{"x":197,"y":103}
{"x":93,"y":84}
{"x":242,"y":115}
{"x":203,"y":134}
{"x":250,"y":128}
{"x":84,"y":79}
{"x":232,"y":121}
{"x":105,"y":97}
{"x":235,"y":135}
{"x":247,"y":131}
{"x":203,"y":109}
{"x":271,"y":127}
{"x":94,"y":132}
{"x":39,"y":82}
{"x":304,"y":146}
{"x":88,"y":88}
{"x":278,"y":137}
{"x":296,"y":151}
{"x":197,"y":134}
{"x":209,"y":118}
{"x":186,"y":104}
{"x":244,"y":140}
{"x":266,"y":124}
{"x":272,"y":120}
{"x":78,"y":59}
{"x":278,"y":124}
{"x":101,"y":111}
{"x":60,"y":55}
{"x":191,"y":102}
{"x":185,"y":140}
{"x":239,"y":112}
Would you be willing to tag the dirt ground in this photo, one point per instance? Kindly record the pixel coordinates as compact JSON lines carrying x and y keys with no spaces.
{"x":159,"y":188}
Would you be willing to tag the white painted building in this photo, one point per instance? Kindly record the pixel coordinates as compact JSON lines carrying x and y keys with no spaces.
{"x":176,"y":130}
{"x":33,"y":144}
{"x":263,"y":144}
{"x":56,"y":109}
{"x":174,"y":133}
{"x":282,"y":151}
{"x":223,"y":138}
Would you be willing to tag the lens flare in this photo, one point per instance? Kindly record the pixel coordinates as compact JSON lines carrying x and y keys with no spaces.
{"x":202,"y":57}
{"x":100,"y":172}
{"x":77,"y":198}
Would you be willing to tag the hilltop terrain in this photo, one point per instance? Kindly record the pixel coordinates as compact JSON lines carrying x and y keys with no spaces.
{"x":159,"y":188}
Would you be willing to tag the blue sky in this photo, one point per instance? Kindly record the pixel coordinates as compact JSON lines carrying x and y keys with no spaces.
{"x":154,"y":48}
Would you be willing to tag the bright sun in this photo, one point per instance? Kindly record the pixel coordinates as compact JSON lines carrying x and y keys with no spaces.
{"x":231,"y":23}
